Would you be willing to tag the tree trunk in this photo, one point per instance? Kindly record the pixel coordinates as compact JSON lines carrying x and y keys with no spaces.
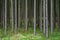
{"x":3,"y":13}
{"x":18,"y":14}
{"x":26,"y":17}
{"x":5,"y":16}
{"x":52,"y":16}
{"x":34,"y":17}
{"x":44,"y":16}
{"x":41,"y":15}
{"x":12,"y":15}
{"x":57,"y":11}
{"x":46,"y":4}
{"x":15,"y":16}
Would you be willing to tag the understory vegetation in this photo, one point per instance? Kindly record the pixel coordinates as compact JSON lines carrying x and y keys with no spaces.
{"x":28,"y":35}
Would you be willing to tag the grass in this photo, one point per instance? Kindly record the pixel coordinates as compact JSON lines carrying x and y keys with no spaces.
{"x":28,"y":35}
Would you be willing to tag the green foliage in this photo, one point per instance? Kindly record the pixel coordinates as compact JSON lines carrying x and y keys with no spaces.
{"x":28,"y":35}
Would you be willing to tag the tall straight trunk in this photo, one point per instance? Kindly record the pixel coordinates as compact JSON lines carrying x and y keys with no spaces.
{"x":34,"y":17}
{"x":59,"y":14}
{"x":15,"y":16}
{"x":26,"y":17}
{"x":5,"y":16}
{"x":51,"y":16}
{"x":12,"y":15}
{"x":44,"y":16}
{"x":3,"y":13}
{"x":18,"y":14}
{"x":41,"y":15}
{"x":46,"y":4}
{"x":57,"y":11}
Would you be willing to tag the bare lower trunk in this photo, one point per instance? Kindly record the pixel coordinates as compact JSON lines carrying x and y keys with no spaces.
{"x":12,"y":15}
{"x":44,"y":16}
{"x":41,"y":16}
{"x":57,"y":11}
{"x":3,"y":13}
{"x":47,"y":18}
{"x":52,"y":17}
{"x":26,"y":17}
{"x":34,"y":17}
{"x":15,"y":16}
{"x":18,"y":14}
{"x":5,"y":16}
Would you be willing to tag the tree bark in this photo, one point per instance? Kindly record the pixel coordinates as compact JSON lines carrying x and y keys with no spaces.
{"x":34,"y":17}
{"x":46,"y":4}
{"x":44,"y":16}
{"x":57,"y":11}
{"x":5,"y":16}
{"x":15,"y":16}
{"x":18,"y":14}
{"x":41,"y":15}
{"x":3,"y":13}
{"x":26,"y":17}
{"x":52,"y":16}
{"x":12,"y":15}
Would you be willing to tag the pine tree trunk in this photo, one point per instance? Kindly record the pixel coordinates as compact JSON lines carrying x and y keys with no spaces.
{"x":52,"y":16}
{"x":44,"y":16}
{"x":34,"y":17}
{"x":57,"y":11}
{"x":3,"y":13}
{"x":18,"y":14}
{"x":5,"y":16}
{"x":41,"y":15}
{"x":12,"y":15}
{"x":26,"y":17}
{"x":15,"y":16}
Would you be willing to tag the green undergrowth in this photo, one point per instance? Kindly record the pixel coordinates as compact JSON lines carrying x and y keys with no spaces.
{"x":28,"y":35}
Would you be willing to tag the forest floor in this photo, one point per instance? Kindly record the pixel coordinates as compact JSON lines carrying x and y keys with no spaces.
{"x":28,"y":35}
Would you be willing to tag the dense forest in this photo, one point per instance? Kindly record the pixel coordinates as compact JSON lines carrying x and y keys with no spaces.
{"x":30,"y":16}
